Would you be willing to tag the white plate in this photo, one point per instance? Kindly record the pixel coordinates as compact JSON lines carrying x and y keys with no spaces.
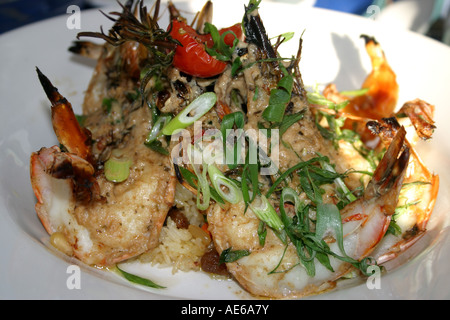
{"x":332,"y":52}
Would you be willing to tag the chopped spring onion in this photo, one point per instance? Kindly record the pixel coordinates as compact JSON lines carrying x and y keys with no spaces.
{"x":355,"y":93}
{"x":229,"y":121}
{"x":298,"y":230}
{"x":221,"y":51}
{"x":203,"y":190}
{"x":318,"y":99}
{"x":117,"y":170}
{"x":156,"y":129}
{"x":194,"y":111}
{"x":311,"y":244}
{"x":279,"y":99}
{"x":225,"y":187}
{"x":287,"y":36}
{"x":262,"y":208}
{"x":339,"y":182}
{"x":283,"y":176}
{"x":329,"y":222}
{"x":290,"y":195}
{"x":191,"y":179}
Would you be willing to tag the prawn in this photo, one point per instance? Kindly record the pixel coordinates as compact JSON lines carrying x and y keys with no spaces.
{"x":375,"y":119}
{"x":273,"y":267}
{"x":118,"y":220}
{"x":365,"y":222}
{"x":381,"y":92}
{"x":90,"y":216}
{"x":233,"y":227}
{"x":421,"y":186}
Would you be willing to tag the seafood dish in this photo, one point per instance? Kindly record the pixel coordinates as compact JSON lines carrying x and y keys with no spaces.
{"x":201,"y":148}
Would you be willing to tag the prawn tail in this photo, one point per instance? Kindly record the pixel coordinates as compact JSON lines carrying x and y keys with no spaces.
{"x":388,"y":178}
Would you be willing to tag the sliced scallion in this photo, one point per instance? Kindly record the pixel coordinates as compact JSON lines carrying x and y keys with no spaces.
{"x":203,"y":189}
{"x":117,"y":170}
{"x":191,"y":179}
{"x":318,"y":99}
{"x":283,"y":176}
{"x":204,"y":194}
{"x":194,"y":111}
{"x":339,"y":182}
{"x":279,"y":98}
{"x":290,"y":195}
{"x":220,"y":50}
{"x":225,"y":187}
{"x":155,"y":132}
{"x":329,"y":222}
{"x":262,"y":208}
{"x":355,"y":93}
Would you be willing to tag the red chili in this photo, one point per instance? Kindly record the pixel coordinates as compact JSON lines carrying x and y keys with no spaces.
{"x":191,"y":57}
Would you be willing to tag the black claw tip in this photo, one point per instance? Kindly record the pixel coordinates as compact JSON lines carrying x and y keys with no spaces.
{"x":369,"y":39}
{"x":50,"y":90}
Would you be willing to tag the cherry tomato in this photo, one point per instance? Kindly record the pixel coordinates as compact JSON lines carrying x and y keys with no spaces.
{"x":191,"y":57}
{"x":229,"y":38}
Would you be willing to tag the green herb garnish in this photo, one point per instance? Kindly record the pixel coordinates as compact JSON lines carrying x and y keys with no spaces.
{"x":279,"y":99}
{"x":220,"y":50}
{"x":266,"y":213}
{"x":230,"y":122}
{"x":224,"y":186}
{"x":228,"y":255}
{"x":139,"y":280}
{"x":192,"y":180}
{"x":117,"y":170}
{"x":107,"y":104}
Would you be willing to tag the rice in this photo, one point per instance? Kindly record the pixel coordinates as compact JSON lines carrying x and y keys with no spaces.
{"x":186,"y":201}
{"x":180,"y":249}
